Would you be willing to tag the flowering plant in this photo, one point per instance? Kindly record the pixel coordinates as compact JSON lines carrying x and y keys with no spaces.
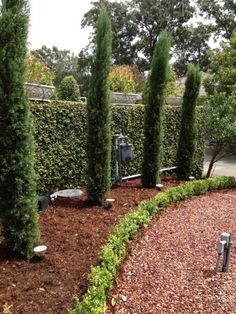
{"x":126,"y":79}
{"x":38,"y":72}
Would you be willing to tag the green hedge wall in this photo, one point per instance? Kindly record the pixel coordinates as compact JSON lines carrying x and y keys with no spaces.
{"x":60,"y":134}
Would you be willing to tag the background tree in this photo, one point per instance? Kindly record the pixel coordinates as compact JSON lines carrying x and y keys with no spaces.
{"x":191,"y":46}
{"x":84,"y":64}
{"x":17,"y":179}
{"x":99,"y":115}
{"x":187,"y":139}
{"x":222,"y":72}
{"x":124,"y":30}
{"x":152,"y":17}
{"x":154,"y":101}
{"x":220,"y":115}
{"x":61,"y":62}
{"x":221,"y":15}
{"x":68,"y":89}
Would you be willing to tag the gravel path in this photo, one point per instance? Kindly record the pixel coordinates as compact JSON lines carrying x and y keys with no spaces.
{"x":170,"y":267}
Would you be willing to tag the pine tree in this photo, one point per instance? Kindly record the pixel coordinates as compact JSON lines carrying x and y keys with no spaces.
{"x":17,"y":178}
{"x":187,"y":139}
{"x":99,"y":115}
{"x":154,"y":101}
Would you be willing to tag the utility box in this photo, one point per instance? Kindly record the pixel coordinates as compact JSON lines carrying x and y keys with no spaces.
{"x":127,"y":152}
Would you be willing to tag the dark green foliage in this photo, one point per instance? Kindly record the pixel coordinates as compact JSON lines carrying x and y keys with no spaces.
{"x":61,"y":141}
{"x":154,"y":110}
{"x":17,"y":178}
{"x":101,"y":277}
{"x":68,"y":89}
{"x":187,"y":140}
{"x":99,"y":115}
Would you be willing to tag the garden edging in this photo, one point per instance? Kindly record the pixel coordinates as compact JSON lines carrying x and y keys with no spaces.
{"x":101,"y":277}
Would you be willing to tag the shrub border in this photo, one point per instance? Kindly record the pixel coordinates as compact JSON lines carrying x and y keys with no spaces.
{"x":101,"y":276}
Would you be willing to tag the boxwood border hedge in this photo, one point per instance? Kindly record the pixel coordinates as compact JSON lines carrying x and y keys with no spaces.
{"x":60,"y":134}
{"x":101,"y":277}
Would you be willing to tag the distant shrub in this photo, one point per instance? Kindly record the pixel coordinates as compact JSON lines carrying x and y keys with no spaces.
{"x":38,"y":72}
{"x":68,"y":89}
{"x":126,"y":79}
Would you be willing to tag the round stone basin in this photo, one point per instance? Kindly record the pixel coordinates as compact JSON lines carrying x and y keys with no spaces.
{"x":69,"y":193}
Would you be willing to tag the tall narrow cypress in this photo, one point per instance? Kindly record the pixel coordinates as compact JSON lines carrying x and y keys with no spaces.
{"x":99,"y":115}
{"x":187,"y":139}
{"x":17,"y":178}
{"x":154,"y":109}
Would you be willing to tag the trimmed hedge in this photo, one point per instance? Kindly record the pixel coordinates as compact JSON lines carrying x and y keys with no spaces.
{"x":101,"y":276}
{"x":60,"y":133}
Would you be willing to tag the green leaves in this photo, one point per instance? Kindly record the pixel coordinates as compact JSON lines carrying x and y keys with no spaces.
{"x":188,"y":135}
{"x":99,"y":115}
{"x":17,"y":177}
{"x":60,"y":134}
{"x":154,"y":110}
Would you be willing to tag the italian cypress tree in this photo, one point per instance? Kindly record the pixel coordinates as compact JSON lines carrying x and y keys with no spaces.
{"x":17,"y":179}
{"x":187,"y":139}
{"x":99,"y":115}
{"x":154,"y":109}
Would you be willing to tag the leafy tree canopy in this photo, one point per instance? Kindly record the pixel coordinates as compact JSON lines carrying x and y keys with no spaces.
{"x":61,"y":62}
{"x":154,"y":16}
{"x":191,"y":47}
{"x":222,"y":13}
{"x":124,"y":30}
{"x":222,"y":72}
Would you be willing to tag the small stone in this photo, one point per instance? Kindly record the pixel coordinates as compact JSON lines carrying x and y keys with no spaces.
{"x":123,"y":298}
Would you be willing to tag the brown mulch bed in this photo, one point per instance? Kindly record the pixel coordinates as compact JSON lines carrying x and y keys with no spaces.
{"x":170,"y":267}
{"x":74,"y":233}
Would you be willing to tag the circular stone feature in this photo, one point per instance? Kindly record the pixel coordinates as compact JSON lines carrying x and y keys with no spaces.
{"x":69,"y":193}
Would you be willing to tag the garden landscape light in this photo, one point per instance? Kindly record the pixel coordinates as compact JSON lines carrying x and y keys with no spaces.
{"x":223,"y":248}
{"x":159,"y":186}
{"x":110,"y":201}
{"x":40,"y":250}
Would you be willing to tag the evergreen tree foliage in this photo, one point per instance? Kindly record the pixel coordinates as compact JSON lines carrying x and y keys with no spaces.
{"x":187,"y":140}
{"x":17,"y":179}
{"x":154,"y":101}
{"x":99,"y":115}
{"x":69,"y":89}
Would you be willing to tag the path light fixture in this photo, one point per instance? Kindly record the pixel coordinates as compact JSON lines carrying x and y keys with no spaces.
{"x":191,"y":178}
{"x":223,"y":249}
{"x":110,"y":201}
{"x":159,"y":186}
{"x":40,"y":250}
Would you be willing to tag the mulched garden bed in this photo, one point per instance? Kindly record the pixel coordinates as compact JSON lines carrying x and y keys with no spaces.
{"x":74,"y":233}
{"x":170,"y":267}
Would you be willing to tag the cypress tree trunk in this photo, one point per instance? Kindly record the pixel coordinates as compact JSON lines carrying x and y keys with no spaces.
{"x":154,"y":101}
{"x":17,"y":178}
{"x":99,"y":116}
{"x":187,"y":139}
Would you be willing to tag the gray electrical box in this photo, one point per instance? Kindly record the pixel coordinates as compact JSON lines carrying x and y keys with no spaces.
{"x":127,"y":152}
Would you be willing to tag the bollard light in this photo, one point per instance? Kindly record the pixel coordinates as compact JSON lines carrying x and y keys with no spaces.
{"x":224,"y":247}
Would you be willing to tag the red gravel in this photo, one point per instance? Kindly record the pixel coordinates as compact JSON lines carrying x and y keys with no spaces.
{"x":170,"y":267}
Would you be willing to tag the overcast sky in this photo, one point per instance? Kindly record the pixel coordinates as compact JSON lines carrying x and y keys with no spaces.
{"x":57,"y":22}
